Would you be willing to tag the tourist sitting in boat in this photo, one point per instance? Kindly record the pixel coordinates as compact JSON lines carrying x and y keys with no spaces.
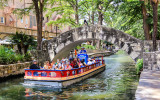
{"x":53,"y":65}
{"x":82,"y":63}
{"x":34,"y":65}
{"x":58,"y":64}
{"x":68,"y":66}
{"x":72,"y":63}
{"x":61,"y":68}
{"x":47,"y":65}
{"x":63,"y":64}
{"x":93,"y":60}
{"x":89,"y":61}
{"x":40,"y":66}
{"x":83,"y":51}
{"x":75,"y":63}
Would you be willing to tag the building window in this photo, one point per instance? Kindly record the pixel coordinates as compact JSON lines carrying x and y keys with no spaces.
{"x":31,"y":22}
{"x":34,"y":21}
{"x":22,"y":20}
{"x":2,"y":19}
{"x":26,"y":21}
{"x":11,"y":19}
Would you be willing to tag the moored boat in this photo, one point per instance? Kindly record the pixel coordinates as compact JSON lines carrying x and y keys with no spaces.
{"x":63,"y":78}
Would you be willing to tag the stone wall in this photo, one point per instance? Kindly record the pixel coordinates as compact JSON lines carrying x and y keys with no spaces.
{"x":148,"y":45}
{"x":151,"y":60}
{"x":13,"y":69}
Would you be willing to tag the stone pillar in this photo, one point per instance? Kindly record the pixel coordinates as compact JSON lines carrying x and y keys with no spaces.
{"x":151,"y":60}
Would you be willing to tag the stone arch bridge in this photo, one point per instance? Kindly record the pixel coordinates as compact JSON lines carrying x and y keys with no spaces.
{"x":59,"y":46}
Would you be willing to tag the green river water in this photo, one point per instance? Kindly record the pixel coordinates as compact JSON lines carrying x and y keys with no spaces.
{"x":118,"y":82}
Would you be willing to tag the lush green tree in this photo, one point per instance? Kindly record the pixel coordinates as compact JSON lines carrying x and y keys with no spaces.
{"x":68,"y":9}
{"x":23,"y":42}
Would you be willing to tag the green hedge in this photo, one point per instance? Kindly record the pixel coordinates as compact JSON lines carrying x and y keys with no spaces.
{"x":8,"y":56}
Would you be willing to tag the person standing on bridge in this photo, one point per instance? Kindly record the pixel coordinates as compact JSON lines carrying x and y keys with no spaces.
{"x":85,"y":22}
{"x":75,"y":53}
{"x":83,"y":51}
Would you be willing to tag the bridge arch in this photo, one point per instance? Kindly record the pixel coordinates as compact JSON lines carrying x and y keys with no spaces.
{"x":67,"y":40}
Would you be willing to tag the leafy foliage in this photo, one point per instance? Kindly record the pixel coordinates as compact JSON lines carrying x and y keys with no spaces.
{"x":65,"y":8}
{"x":86,"y":46}
{"x":23,"y":41}
{"x":8,"y":56}
{"x":139,"y":65}
{"x":27,"y":57}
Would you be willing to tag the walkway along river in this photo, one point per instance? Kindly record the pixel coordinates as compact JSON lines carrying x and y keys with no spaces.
{"x":118,"y":82}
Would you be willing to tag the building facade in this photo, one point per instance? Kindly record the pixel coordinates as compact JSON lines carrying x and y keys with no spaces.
{"x":10,"y":21}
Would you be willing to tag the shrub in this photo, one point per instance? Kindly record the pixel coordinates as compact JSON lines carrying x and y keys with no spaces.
{"x":139,"y":66}
{"x":3,"y":57}
{"x":20,"y":57}
{"x":11,"y":58}
{"x":86,"y":46}
{"x":27,"y":57}
{"x":7,"y":56}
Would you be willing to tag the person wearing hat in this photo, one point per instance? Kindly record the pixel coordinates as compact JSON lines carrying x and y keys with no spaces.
{"x":83,"y":51}
{"x":89,"y":61}
{"x":34,"y":65}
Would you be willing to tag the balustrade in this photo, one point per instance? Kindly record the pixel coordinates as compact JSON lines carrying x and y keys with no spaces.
{"x":12,"y":30}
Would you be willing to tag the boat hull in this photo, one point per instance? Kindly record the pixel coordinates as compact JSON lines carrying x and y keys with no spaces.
{"x":65,"y":81}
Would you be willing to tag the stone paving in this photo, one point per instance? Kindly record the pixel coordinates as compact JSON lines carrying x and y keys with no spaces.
{"x":149,"y":86}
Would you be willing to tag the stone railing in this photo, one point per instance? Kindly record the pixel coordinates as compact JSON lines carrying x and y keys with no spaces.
{"x":13,"y":69}
{"x":12,"y":30}
{"x":151,"y":60}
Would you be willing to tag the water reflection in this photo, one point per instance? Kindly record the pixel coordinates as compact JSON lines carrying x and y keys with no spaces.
{"x":118,"y":81}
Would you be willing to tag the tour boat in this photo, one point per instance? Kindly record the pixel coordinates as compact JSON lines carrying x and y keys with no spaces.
{"x":64,"y":78}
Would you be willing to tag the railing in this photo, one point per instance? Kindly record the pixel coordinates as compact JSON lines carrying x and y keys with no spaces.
{"x":61,"y":73}
{"x":13,"y":30}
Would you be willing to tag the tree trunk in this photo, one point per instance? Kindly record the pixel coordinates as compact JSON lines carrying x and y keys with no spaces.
{"x":100,"y":18}
{"x":76,"y":15}
{"x":100,"y":15}
{"x":100,"y":22}
{"x":93,"y":17}
{"x":25,"y":48}
{"x":154,"y":4}
{"x":39,"y":18}
{"x":19,"y":48}
{"x":89,"y":15}
{"x":146,"y":26}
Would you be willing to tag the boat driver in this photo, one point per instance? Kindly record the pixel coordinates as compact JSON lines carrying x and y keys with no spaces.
{"x":34,"y":65}
{"x":83,"y":51}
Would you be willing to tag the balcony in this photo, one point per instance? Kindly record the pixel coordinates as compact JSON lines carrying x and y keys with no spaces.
{"x":12,"y":30}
